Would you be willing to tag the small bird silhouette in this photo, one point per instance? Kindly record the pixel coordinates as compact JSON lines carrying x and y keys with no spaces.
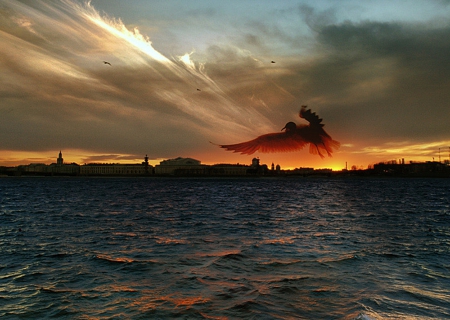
{"x":294,"y":138}
{"x":198,"y":89}
{"x":106,"y":62}
{"x":272,"y":61}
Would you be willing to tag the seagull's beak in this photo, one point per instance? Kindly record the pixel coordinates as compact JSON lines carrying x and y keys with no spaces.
{"x":284,"y":128}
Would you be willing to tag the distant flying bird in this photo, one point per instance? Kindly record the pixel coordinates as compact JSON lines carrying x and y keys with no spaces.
{"x":272,"y":61}
{"x":106,"y":62}
{"x":294,"y":138}
{"x":198,"y":89}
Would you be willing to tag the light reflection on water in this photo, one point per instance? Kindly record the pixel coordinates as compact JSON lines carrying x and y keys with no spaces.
{"x":224,"y":248}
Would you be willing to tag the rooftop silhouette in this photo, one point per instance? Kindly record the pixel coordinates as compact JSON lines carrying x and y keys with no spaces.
{"x":191,"y":167}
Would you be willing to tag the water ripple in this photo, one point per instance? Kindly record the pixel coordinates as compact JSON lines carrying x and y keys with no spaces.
{"x":224,"y":248}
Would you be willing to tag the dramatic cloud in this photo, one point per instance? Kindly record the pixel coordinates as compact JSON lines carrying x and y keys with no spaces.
{"x":378,"y":84}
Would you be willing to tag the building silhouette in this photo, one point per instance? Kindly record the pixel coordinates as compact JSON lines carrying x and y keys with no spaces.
{"x":191,"y":167}
{"x":60,"y":160}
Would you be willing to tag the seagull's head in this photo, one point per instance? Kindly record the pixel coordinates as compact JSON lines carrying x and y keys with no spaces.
{"x":290,"y":127}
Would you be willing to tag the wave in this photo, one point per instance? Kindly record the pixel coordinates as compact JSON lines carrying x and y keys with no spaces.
{"x":57,"y":290}
{"x":246,"y":306}
{"x":309,"y":264}
{"x":114,"y":259}
{"x":363,"y":316}
{"x":232,"y":257}
{"x":279,"y":263}
{"x":122,"y":260}
{"x":286,"y":290}
{"x":339,"y":259}
{"x":124,"y":234}
{"x":60,"y":255}
{"x":171,"y":241}
{"x":279,"y":241}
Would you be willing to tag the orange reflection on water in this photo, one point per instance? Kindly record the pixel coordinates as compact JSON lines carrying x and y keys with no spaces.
{"x":114,"y":259}
{"x":342,"y":257}
{"x":163,"y":240}
{"x":286,"y":240}
{"x":207,"y":316}
{"x":325,"y":289}
{"x":151,"y":301}
{"x":127,"y":234}
{"x":186,"y":301}
{"x":121,"y":288}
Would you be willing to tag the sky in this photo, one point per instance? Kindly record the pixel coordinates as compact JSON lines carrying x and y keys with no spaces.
{"x":183,"y":74}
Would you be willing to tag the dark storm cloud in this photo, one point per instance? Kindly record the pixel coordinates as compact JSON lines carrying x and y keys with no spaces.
{"x":375,"y":83}
{"x":379,"y":81}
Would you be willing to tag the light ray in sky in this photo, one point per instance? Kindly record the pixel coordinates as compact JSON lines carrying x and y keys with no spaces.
{"x":222,"y":108}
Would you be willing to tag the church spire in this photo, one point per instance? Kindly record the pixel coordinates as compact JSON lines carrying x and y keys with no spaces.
{"x":60,"y":160}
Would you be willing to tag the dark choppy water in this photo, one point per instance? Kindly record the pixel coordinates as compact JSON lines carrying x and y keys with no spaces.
{"x":224,"y":248}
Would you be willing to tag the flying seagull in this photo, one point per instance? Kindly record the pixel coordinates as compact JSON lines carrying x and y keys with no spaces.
{"x":106,"y":62}
{"x":294,"y":138}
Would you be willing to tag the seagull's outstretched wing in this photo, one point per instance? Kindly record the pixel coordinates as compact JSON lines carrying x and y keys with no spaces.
{"x":294,"y":138}
{"x":269,"y":143}
{"x":311,"y":117}
{"x":320,"y":140}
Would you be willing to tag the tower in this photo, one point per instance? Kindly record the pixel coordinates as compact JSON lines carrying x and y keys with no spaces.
{"x":146,"y":163}
{"x":60,"y":160}
{"x":255,"y":162}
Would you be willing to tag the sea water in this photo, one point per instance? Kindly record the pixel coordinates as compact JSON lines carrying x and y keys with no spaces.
{"x":252,"y":248}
